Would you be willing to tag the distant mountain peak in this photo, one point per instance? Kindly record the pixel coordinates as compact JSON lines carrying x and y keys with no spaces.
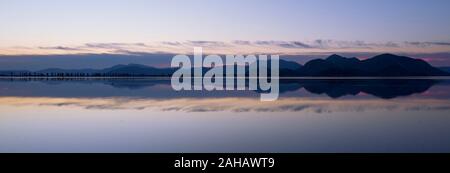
{"x":336,"y":56}
{"x":392,"y":57}
{"x":137,"y":65}
{"x":340,"y":59}
{"x":386,"y":55}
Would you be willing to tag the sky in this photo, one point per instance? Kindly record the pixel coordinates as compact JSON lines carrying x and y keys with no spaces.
{"x":224,"y":26}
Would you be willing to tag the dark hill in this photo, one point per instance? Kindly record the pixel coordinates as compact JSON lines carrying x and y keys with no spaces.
{"x":381,"y":65}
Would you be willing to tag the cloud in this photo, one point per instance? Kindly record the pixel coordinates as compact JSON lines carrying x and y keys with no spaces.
{"x":440,"y":43}
{"x":114,"y":48}
{"x":295,"y":44}
{"x":241,"y":42}
{"x":427,"y":44}
{"x":208,"y":43}
{"x":285,"y":44}
{"x":336,"y":44}
{"x":318,"y":44}
{"x":176,"y":43}
{"x":392,"y":44}
{"x":114,"y":45}
{"x":260,"y":46}
{"x":294,"y":47}
{"x":300,"y":44}
{"x":61,"y":48}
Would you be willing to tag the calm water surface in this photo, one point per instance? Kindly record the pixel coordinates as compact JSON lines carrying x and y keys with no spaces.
{"x":146,"y":115}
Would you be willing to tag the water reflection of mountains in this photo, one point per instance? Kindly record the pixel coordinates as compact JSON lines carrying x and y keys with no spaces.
{"x":160,"y":88}
{"x":385,"y":89}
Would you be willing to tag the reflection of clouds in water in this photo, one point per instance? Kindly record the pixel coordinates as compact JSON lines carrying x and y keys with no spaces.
{"x":237,"y":105}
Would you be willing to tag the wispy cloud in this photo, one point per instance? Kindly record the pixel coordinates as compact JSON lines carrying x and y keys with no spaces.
{"x":296,"y":47}
{"x":113,"y":45}
{"x":428,"y":44}
{"x":175,"y":43}
{"x":284,"y":44}
{"x":241,"y":42}
{"x":61,"y":48}
{"x":210,"y":44}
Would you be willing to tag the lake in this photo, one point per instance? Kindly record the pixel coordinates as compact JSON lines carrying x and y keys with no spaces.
{"x":147,"y":115}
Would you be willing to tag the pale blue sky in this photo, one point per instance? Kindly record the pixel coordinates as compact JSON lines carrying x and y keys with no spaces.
{"x":56,"y":22}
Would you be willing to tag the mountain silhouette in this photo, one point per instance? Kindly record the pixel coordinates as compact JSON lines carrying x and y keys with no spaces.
{"x":381,"y":65}
{"x":117,"y":70}
{"x":59,"y":70}
{"x":384,"y":65}
{"x":137,"y":69}
{"x":334,"y":65}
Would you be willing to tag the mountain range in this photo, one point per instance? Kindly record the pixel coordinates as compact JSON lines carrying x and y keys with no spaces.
{"x":334,"y":66}
{"x":381,"y":65}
